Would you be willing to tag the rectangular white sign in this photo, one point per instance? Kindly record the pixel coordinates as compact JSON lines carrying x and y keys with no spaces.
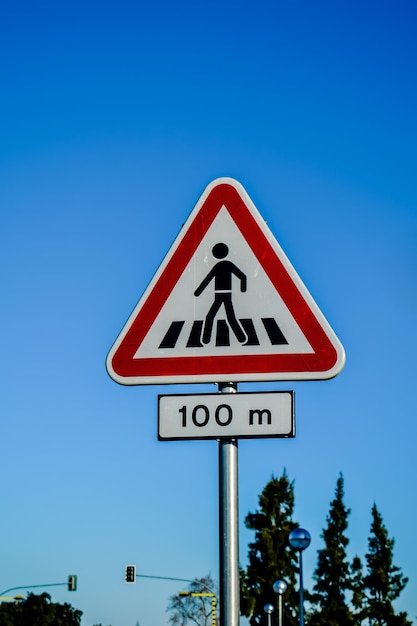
{"x":226,"y":415}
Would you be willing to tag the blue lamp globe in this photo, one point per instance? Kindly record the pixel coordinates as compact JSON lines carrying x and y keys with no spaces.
{"x":299,"y":539}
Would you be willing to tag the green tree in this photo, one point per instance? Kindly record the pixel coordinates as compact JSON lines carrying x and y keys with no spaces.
{"x":193,"y":608}
{"x":384,"y":581}
{"x":333,"y":576}
{"x":38,"y":610}
{"x":270,"y":556}
{"x":358,"y":594}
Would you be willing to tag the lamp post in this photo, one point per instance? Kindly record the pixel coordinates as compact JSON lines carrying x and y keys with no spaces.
{"x":280,"y":587}
{"x":300,"y":540}
{"x":269,"y":609}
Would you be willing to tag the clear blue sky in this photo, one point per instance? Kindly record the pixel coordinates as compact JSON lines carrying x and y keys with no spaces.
{"x":114,"y":118}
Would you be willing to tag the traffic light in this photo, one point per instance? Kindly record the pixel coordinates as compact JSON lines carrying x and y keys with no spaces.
{"x":130,"y":573}
{"x":72,"y":582}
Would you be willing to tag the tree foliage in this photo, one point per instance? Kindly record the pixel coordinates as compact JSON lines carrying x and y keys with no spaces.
{"x":333,"y":576}
{"x":343,"y":595}
{"x":384,"y":581}
{"x":270,"y":556}
{"x":38,"y":610}
{"x":195,"y":609}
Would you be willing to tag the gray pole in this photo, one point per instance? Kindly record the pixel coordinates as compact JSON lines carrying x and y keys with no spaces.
{"x":301,"y":590}
{"x":269,"y":609}
{"x":228,"y":526}
{"x":280,"y":611}
{"x":280,"y":587}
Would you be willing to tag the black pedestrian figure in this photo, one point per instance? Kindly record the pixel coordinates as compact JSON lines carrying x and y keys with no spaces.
{"x":222,"y":274}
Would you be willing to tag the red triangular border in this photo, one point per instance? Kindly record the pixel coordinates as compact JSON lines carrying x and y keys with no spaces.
{"x":325,"y":361}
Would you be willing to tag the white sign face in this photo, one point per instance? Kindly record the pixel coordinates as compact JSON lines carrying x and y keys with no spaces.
{"x":187,"y":308}
{"x":221,"y":415}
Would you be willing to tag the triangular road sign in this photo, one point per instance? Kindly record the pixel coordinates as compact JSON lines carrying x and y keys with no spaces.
{"x":225,"y":305}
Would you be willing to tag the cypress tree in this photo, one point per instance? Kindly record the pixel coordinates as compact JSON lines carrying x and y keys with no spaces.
{"x":270,"y":557}
{"x":333,"y":573}
{"x":384,"y":581}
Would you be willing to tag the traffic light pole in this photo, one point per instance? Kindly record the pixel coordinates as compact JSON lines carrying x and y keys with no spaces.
{"x":33,"y":587}
{"x":228,"y":526}
{"x":184,"y":580}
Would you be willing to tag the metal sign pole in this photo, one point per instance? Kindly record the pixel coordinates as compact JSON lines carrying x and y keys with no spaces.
{"x":228,"y":526}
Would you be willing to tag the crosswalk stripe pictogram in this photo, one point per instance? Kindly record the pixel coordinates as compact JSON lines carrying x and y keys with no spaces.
{"x":222,"y":336}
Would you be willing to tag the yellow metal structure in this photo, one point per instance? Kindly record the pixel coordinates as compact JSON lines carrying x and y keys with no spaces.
{"x":204,"y":595}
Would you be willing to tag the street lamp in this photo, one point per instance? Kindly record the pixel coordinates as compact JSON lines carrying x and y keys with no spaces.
{"x":269,"y":609}
{"x":280,"y":587}
{"x":300,"y":540}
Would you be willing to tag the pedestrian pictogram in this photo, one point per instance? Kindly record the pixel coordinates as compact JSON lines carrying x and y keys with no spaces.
{"x":222,"y":274}
{"x":225,"y":305}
